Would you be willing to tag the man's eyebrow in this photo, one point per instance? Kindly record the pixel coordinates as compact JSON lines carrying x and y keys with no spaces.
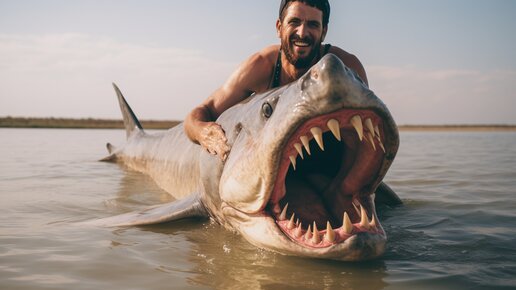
{"x":316,"y":22}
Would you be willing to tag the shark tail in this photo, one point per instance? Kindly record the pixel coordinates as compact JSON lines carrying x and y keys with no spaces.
{"x":131,"y":123}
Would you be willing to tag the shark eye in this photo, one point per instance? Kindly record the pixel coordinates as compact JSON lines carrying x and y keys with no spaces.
{"x":267,"y":110}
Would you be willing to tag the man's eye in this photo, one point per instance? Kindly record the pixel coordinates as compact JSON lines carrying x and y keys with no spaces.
{"x":294,"y":22}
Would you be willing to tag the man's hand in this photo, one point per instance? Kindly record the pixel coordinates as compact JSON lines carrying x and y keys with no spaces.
{"x":213,"y":139}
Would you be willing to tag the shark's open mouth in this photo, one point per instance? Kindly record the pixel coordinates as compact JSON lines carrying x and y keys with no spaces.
{"x":323,"y":193}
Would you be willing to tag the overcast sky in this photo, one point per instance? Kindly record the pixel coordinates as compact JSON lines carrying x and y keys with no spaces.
{"x":432,"y":62}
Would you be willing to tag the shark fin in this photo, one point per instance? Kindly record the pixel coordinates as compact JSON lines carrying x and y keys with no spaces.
{"x":183,"y":208}
{"x":131,"y":123}
{"x":112,"y":156}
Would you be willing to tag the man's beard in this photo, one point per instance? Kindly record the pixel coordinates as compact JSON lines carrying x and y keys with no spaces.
{"x":287,"y":45}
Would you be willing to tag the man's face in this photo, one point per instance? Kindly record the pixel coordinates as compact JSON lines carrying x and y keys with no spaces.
{"x":301,"y":33}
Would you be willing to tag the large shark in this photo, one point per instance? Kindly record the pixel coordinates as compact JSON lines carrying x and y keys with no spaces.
{"x":306,"y":160}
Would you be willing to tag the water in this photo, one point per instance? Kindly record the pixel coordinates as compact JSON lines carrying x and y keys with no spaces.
{"x":456,"y":230}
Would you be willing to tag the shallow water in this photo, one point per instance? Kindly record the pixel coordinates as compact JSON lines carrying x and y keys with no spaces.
{"x":456,"y":230}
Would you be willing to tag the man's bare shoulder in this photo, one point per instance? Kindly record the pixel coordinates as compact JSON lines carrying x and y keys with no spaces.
{"x":256,"y":71}
{"x":346,"y":57}
{"x":350,"y":60}
{"x":265,"y":57}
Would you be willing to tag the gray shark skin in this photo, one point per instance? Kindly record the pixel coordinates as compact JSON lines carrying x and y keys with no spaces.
{"x":306,"y":160}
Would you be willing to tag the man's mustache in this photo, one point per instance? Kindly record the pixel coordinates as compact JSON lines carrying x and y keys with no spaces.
{"x":308,"y":40}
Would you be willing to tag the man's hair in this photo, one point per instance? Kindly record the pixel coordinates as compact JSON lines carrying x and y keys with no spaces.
{"x":322,"y":5}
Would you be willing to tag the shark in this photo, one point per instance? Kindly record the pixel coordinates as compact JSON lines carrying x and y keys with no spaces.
{"x":306,"y":166}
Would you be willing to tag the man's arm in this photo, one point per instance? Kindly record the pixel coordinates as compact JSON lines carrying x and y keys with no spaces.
{"x":249,"y":77}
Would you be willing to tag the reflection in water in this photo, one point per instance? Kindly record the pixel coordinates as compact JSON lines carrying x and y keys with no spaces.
{"x":224,"y":260}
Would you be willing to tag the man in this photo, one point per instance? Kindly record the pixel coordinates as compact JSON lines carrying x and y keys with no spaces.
{"x":301,"y":27}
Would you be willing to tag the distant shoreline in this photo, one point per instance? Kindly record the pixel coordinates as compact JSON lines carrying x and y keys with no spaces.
{"x":70,"y":123}
{"x":90,"y":123}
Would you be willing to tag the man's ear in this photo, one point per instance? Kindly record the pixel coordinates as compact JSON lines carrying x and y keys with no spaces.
{"x":278,"y":28}
{"x":325,"y":30}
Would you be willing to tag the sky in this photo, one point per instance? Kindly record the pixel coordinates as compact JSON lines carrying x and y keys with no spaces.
{"x":431,"y":62}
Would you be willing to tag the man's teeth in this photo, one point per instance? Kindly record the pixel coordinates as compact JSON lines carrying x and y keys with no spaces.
{"x":302,"y":44}
{"x":370,"y":132}
{"x":313,"y":236}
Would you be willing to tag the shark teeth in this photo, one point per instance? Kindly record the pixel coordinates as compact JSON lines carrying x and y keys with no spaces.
{"x":317,"y":133}
{"x":364,"y":127}
{"x":299,"y":150}
{"x":313,"y":237}
{"x":330,"y":234}
{"x":334,"y":128}
{"x":347,"y":226}
{"x":283,"y":215}
{"x":356,"y":122}
{"x":291,"y":225}
{"x":306,"y":144}
{"x":364,"y":220}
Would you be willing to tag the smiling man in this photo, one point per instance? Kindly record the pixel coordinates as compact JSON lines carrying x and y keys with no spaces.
{"x":302,"y":26}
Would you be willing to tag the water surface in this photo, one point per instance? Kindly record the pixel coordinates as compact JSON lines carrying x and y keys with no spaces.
{"x":456,"y":230}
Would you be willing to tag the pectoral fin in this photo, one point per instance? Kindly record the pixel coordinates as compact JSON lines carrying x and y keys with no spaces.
{"x":385,"y":195}
{"x":184,"y":208}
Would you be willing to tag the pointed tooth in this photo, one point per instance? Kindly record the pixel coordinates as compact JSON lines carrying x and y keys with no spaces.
{"x":293,"y":161}
{"x":306,"y":144}
{"x":334,"y":128}
{"x":299,"y":150}
{"x":377,"y":131}
{"x":371,"y":140}
{"x":308,"y":234}
{"x":315,"y":237}
{"x":369,"y":125}
{"x":291,"y":224}
{"x":346,"y":224}
{"x":381,"y":145}
{"x":298,"y":232}
{"x":364,"y":221}
{"x":330,"y":234}
{"x":356,"y":122}
{"x":356,"y":209}
{"x":283,"y":215}
{"x":317,"y":132}
{"x":373,"y":223}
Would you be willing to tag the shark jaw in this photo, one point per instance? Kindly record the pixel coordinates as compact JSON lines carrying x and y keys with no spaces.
{"x":322,"y":201}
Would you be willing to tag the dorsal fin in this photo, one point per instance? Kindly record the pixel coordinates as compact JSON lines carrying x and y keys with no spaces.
{"x":131,"y":123}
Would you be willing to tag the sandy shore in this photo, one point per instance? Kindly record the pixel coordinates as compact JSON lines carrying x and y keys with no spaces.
{"x":90,"y":123}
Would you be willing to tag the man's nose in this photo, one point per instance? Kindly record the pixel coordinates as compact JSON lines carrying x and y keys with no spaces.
{"x":302,"y":30}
